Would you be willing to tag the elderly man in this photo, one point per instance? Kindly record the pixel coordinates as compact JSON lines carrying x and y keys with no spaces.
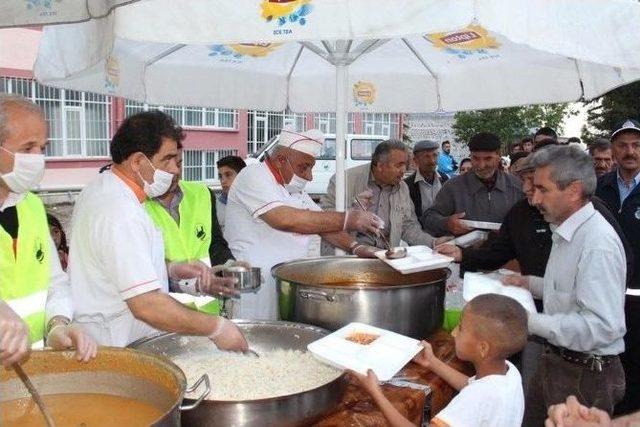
{"x":582,"y":290}
{"x":600,"y":151}
{"x":484,"y":194}
{"x":117,"y":263}
{"x":35,"y":300}
{"x":270,"y":219}
{"x":380,"y":187}
{"x":425,"y":183}
{"x":620,"y":191}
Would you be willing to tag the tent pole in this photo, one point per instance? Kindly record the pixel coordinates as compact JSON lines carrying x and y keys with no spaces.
{"x":341,"y":121}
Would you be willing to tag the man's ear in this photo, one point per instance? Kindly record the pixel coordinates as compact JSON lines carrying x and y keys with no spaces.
{"x":483,"y":348}
{"x":135,"y":161}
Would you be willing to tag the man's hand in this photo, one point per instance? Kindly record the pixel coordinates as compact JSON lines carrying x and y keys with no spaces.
{"x":227,"y":336}
{"x":14,"y":336}
{"x":369,"y":382}
{"x":365,"y":251}
{"x":455,"y":226}
{"x":62,"y":337}
{"x":451,"y":251}
{"x":516,"y":280}
{"x":426,"y":357}
{"x":207,"y":282}
{"x":363,"y":222}
{"x":573,"y":414}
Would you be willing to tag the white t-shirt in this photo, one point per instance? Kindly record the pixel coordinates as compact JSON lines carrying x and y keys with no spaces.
{"x":116,"y":253}
{"x":255,"y":192}
{"x":491,"y":401}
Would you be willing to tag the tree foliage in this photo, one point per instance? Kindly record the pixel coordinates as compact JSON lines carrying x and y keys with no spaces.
{"x":606,"y":112}
{"x":511,"y":123}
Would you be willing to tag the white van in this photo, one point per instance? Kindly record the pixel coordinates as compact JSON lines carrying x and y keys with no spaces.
{"x":359,"y":150}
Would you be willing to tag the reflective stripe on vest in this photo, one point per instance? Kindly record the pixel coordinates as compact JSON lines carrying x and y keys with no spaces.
{"x":192,"y":238}
{"x":25,"y":275}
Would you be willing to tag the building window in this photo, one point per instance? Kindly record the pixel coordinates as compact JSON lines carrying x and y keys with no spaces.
{"x":383,"y":124}
{"x":326,"y":122}
{"x":79,"y":123}
{"x":264,"y":125}
{"x":200,"y":165}
{"x":191,"y":117}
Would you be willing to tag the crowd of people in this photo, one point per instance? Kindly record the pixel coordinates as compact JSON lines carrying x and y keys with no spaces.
{"x":569,"y":218}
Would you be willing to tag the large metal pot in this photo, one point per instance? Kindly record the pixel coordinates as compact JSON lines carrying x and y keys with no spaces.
{"x":292,"y":410}
{"x":115,"y":371}
{"x":331,"y":292}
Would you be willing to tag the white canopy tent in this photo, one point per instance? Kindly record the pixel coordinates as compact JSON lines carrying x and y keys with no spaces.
{"x":356,"y":55}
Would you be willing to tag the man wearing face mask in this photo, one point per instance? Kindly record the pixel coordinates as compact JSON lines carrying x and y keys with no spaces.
{"x":35,"y":300}
{"x":484,"y":194}
{"x":270,"y":219}
{"x":119,"y":278}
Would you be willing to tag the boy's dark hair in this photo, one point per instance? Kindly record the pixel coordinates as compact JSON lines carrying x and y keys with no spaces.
{"x":547,"y":132}
{"x":526,"y":139}
{"x":504,"y":323}
{"x":463,"y":161}
{"x":573,"y":139}
{"x":234,"y":162}
{"x":143,"y":132}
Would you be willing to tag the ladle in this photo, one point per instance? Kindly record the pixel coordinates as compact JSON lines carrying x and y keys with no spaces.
{"x":35,"y":395}
{"x":391,"y":253}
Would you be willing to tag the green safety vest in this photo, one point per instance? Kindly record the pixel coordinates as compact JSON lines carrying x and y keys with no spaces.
{"x":25,"y":275}
{"x":191,"y":239}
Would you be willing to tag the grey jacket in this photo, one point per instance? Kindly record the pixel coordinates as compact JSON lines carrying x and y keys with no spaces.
{"x":466,"y":193}
{"x":403,"y":222}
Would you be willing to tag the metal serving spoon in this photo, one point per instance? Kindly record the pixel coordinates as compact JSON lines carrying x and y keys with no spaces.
{"x":392,"y":253}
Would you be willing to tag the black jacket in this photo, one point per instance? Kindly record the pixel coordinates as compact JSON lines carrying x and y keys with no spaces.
{"x":526,"y":237}
{"x":414,"y":191}
{"x":628,"y":215}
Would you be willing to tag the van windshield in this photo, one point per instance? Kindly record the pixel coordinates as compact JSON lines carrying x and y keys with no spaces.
{"x":361,"y":149}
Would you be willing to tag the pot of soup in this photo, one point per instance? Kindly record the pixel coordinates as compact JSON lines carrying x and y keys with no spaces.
{"x":120,"y":387}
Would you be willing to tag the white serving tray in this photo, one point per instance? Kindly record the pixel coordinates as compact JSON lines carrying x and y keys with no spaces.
{"x":419,"y":258}
{"x":483,"y":225}
{"x":478,"y":284}
{"x":386,"y":356}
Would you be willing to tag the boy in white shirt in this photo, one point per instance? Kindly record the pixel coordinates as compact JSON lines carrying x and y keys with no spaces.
{"x":493,"y":327}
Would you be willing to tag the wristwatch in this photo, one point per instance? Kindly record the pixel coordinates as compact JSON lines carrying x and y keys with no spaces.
{"x":56,"y":321}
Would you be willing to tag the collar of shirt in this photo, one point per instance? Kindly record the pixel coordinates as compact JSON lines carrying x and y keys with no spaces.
{"x":174,"y":205}
{"x":274,"y":171}
{"x":419,"y":177}
{"x":12,"y":200}
{"x":137,"y":190}
{"x":223,"y":198}
{"x":476,"y":184}
{"x":383,"y":187}
{"x":568,"y":228}
{"x":630,"y":185}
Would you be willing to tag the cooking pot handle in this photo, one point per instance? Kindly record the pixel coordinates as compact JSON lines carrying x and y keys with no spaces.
{"x":193,"y":388}
{"x":307,"y":294}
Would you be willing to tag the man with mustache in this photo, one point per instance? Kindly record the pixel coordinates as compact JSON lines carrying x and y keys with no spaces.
{"x":484,"y":194}
{"x":602,"y":156}
{"x":620,"y":191}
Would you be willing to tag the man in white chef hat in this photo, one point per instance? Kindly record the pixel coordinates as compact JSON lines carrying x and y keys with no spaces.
{"x":270,"y":219}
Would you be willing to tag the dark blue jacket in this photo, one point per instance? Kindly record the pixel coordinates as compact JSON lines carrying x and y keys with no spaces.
{"x":628,"y":216}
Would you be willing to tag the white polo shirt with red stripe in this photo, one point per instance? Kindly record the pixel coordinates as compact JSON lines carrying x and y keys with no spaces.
{"x":254,"y":192}
{"x":116,"y":253}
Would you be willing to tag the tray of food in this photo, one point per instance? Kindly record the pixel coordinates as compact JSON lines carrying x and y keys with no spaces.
{"x":360,"y":347}
{"x":418,"y":258}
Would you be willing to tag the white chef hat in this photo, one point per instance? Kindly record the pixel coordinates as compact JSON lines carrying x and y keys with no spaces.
{"x":309,"y":142}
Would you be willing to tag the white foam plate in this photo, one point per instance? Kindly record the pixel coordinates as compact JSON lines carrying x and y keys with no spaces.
{"x":478,"y":284}
{"x":419,"y":258}
{"x":386,"y":356}
{"x":483,"y":225}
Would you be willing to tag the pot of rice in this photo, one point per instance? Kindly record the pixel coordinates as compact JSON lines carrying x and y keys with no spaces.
{"x":284,"y":386}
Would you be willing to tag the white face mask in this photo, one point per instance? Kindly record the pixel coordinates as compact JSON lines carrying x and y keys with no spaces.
{"x":297,"y":183}
{"x":28,"y":170}
{"x":161,"y":182}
